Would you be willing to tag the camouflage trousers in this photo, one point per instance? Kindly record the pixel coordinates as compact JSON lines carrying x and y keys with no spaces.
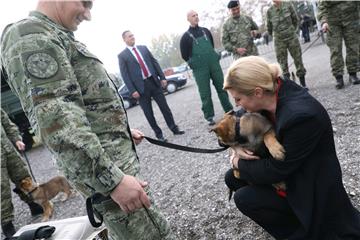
{"x":334,"y":40}
{"x":291,"y":44}
{"x":143,"y":224}
{"x":12,"y":168}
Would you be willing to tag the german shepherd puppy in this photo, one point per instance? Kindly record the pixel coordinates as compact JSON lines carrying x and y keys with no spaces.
{"x":251,"y":131}
{"x":43,"y":193}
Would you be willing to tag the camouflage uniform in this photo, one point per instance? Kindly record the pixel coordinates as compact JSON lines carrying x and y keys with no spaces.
{"x":343,"y":20}
{"x":282,"y":22}
{"x":80,"y":117}
{"x":236,"y":33}
{"x":12,"y":167}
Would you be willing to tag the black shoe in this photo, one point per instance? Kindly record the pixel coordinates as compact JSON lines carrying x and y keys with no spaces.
{"x":302,"y":81}
{"x":162,"y":139}
{"x":353,"y":78}
{"x":177,"y":131}
{"x":339,"y":82}
{"x":8,"y":229}
{"x":211,"y":122}
{"x":35,"y":209}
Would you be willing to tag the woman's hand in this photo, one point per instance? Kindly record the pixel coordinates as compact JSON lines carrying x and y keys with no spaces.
{"x":238,"y":152}
{"x":137,"y":136}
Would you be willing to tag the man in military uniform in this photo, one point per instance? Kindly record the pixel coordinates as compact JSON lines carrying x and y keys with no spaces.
{"x":72,"y":103}
{"x":282,"y":23}
{"x":197,"y":49}
{"x":340,"y":20}
{"x":13,"y":168}
{"x":238,"y":32}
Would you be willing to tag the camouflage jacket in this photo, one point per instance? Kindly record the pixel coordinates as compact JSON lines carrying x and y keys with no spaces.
{"x":68,"y":95}
{"x":338,"y":12}
{"x":236,"y":33}
{"x":282,"y":21}
{"x":9,"y":129}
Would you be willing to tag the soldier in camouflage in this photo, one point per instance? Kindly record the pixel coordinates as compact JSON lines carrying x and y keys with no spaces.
{"x":238,"y":32}
{"x":13,"y":168}
{"x":340,"y":20}
{"x":282,"y":23}
{"x":71,"y":102}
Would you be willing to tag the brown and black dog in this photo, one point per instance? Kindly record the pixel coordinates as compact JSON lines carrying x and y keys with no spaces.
{"x":43,"y":193}
{"x":251,"y":131}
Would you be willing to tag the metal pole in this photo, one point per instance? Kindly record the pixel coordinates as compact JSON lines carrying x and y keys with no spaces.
{"x":318,"y":25}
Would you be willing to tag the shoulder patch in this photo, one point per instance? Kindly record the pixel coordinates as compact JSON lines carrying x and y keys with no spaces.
{"x":31,"y":28}
{"x":42,"y":65}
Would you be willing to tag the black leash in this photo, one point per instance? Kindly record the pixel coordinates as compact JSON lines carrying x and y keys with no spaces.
{"x":183,"y":148}
{"x":308,"y":47}
{"x":28,"y":163}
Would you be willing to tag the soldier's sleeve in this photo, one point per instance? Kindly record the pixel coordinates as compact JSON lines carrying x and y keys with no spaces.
{"x":40,"y":70}
{"x":322,"y":12}
{"x":225,"y":39}
{"x":294,"y":17}
{"x":10,"y":128}
{"x":269,"y":23}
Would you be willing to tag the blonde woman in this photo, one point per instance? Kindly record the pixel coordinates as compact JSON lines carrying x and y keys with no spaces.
{"x":315,"y":204}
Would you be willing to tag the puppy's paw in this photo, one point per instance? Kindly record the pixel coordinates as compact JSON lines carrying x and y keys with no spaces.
{"x":45,"y":219}
{"x":277,"y":151}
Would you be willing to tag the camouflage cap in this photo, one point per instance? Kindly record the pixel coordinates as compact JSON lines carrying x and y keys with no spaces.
{"x":233,"y":3}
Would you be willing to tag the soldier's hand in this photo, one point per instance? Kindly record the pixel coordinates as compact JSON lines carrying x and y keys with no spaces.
{"x":253,"y":33}
{"x":325,"y":27}
{"x":241,"y":51}
{"x":137,"y":136}
{"x":20,"y":145}
{"x":130,"y":195}
{"x":135,"y":95}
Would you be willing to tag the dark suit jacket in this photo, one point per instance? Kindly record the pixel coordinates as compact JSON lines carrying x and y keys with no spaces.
{"x":311,"y":168}
{"x":131,"y":71}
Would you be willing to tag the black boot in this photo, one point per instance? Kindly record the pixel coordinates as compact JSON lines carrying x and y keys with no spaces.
{"x":8,"y":229}
{"x":353,"y":78}
{"x":302,"y":81}
{"x":339,"y":82}
{"x":35,"y":209}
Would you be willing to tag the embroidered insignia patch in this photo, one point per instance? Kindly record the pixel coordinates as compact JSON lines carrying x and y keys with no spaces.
{"x":42,"y":65}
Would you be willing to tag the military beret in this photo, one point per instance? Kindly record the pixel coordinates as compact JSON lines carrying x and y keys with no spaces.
{"x":233,"y":3}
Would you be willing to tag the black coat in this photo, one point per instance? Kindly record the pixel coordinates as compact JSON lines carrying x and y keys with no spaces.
{"x":311,"y":168}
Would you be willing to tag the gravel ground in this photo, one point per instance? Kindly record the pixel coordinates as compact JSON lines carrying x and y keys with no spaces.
{"x":189,"y":187}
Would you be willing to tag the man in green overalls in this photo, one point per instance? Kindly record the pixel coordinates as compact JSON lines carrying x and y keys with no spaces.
{"x":197,"y":49}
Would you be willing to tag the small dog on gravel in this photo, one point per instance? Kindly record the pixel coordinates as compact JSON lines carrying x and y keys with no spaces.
{"x":43,"y":193}
{"x":251,"y":131}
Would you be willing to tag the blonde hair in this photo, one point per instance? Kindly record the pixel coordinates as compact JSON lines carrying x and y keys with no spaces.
{"x":247,"y":73}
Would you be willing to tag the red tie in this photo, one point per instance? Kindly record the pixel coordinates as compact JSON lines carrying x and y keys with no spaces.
{"x":142,"y":64}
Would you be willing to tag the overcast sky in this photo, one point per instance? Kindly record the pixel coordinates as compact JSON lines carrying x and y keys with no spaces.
{"x":145,"y":18}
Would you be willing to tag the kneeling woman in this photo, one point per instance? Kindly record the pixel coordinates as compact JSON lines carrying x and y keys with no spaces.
{"x":315,"y":205}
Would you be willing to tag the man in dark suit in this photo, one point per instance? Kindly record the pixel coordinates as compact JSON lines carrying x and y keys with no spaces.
{"x":144,"y":79}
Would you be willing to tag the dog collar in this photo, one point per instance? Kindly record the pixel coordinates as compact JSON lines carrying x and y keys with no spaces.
{"x":30,"y":193}
{"x":238,"y":138}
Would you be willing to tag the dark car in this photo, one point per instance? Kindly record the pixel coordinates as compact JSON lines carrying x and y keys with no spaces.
{"x":174,"y":82}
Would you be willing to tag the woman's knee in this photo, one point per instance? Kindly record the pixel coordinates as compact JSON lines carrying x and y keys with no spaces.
{"x":241,"y":199}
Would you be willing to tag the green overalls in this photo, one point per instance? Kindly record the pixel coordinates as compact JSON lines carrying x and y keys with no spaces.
{"x":205,"y":65}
